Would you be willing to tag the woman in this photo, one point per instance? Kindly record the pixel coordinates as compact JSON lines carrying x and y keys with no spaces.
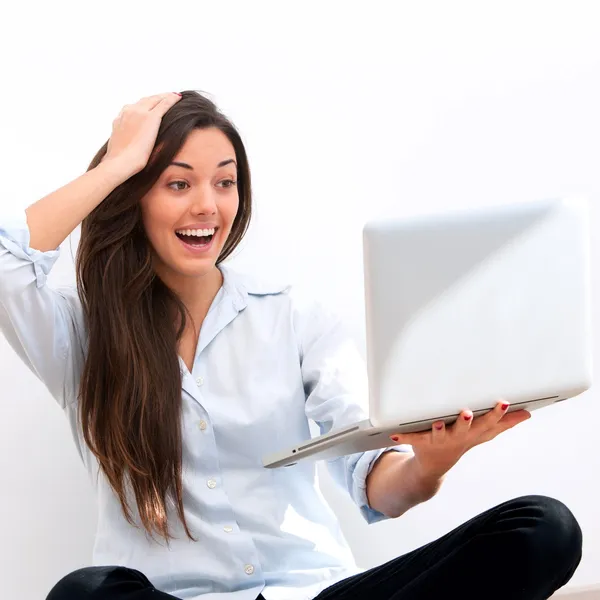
{"x":178,"y":374}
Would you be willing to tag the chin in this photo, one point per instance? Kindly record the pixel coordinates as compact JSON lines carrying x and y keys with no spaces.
{"x":199,"y":269}
{"x":170,"y":269}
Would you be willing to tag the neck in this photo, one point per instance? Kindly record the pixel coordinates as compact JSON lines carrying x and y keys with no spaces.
{"x":197,"y":293}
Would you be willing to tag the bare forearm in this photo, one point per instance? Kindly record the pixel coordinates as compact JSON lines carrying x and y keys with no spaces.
{"x":396,"y":484}
{"x":55,"y":216}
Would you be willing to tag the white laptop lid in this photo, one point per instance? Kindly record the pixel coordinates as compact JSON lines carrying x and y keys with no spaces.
{"x":470,"y":307}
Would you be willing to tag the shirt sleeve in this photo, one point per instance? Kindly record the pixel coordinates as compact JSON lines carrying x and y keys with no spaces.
{"x":38,"y":322}
{"x":335,"y":379}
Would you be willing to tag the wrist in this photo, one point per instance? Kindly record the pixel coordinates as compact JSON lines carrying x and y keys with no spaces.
{"x":115,"y":170}
{"x":422,"y":482}
{"x":426,"y":480}
{"x":398,"y":482}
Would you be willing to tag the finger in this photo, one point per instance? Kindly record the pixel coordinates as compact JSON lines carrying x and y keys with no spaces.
{"x":514,"y":418}
{"x":150,"y":102}
{"x":411,"y":439}
{"x":508,"y":422}
{"x":492,"y":417}
{"x":438,"y":432}
{"x":164,"y":104}
{"x":462,"y":425}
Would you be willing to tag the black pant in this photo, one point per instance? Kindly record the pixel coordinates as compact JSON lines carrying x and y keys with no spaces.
{"x":524,"y":549}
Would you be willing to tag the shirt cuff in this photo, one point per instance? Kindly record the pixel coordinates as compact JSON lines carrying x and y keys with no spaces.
{"x":15,"y":237}
{"x":361,"y":471}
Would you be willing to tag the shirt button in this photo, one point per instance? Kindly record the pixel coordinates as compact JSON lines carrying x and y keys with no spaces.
{"x":202,"y":425}
{"x":249,"y":569}
{"x":227,"y":529}
{"x":212,"y":484}
{"x":199,"y":381}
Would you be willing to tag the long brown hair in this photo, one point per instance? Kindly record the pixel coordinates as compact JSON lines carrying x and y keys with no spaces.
{"x":130,"y":393}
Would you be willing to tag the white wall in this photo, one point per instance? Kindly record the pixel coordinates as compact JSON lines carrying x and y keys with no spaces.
{"x":347,"y":111}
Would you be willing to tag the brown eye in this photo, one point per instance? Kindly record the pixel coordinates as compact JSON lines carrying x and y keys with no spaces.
{"x":177,"y":183}
{"x":231,"y":183}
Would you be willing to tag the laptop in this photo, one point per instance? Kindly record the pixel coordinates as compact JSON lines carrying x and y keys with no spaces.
{"x":464,"y":309}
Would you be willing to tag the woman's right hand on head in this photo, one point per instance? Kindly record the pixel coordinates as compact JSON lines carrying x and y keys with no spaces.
{"x":134,"y":132}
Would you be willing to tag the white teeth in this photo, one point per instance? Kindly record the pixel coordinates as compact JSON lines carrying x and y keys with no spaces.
{"x":197,"y":232}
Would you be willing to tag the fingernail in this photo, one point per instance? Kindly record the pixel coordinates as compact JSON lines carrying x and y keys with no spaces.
{"x":467,"y":417}
{"x":504,"y":405}
{"x":395,"y":438}
{"x":439,"y":426}
{"x":177,"y":93}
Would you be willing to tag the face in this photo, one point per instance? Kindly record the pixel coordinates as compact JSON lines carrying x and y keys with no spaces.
{"x":189,"y":211}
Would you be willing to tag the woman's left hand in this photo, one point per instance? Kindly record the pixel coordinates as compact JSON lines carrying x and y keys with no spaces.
{"x":436,"y":451}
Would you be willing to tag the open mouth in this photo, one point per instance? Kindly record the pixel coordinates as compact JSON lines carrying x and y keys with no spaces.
{"x":197,"y":238}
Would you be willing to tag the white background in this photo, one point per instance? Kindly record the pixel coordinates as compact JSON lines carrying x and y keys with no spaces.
{"x":348,"y":110}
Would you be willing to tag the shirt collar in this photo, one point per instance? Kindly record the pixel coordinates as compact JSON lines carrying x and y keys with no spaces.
{"x":231,"y":299}
{"x":239,"y":286}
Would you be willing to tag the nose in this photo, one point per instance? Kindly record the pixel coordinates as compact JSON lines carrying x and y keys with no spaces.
{"x":204,"y":202}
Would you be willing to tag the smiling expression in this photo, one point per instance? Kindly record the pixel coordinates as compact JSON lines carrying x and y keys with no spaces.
{"x":189,"y":212}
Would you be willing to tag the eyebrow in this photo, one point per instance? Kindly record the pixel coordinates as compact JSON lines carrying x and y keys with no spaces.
{"x":186,"y":166}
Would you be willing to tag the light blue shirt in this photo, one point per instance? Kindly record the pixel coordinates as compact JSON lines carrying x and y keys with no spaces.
{"x":268,"y":361}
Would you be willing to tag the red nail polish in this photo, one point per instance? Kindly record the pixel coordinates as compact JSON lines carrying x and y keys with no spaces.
{"x":467,"y":417}
{"x":177,"y":93}
{"x":439,"y":426}
{"x":505,"y":405}
{"x":395,"y":438}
